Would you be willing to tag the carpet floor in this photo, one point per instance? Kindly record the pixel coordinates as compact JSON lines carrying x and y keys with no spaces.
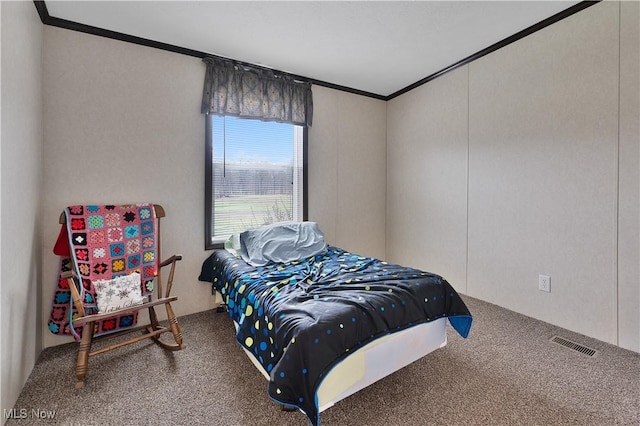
{"x":507,"y":372}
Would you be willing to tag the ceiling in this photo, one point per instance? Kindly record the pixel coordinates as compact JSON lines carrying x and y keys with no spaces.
{"x":370,"y":46}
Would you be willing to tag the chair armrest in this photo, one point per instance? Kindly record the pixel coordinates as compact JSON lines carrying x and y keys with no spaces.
{"x":74,"y":289}
{"x":169,"y":261}
{"x":68,"y":274}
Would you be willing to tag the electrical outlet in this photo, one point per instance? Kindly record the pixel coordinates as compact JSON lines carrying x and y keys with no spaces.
{"x":544,"y":283}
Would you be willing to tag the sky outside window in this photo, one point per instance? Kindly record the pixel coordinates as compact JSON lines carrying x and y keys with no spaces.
{"x":252,"y":141}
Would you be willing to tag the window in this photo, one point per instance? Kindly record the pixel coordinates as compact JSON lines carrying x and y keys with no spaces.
{"x":255,"y":175}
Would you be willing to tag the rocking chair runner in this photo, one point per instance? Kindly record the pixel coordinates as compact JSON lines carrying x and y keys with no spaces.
{"x":106,"y":244}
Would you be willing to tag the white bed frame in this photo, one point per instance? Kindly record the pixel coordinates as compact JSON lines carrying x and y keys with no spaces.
{"x":376,"y":360}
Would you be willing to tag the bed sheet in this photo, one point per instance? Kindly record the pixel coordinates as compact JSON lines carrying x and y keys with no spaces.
{"x":301,"y":319}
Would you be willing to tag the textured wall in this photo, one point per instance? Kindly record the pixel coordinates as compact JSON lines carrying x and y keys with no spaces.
{"x":21,"y":182}
{"x":543,"y":115}
{"x":552,"y":174}
{"x":427,"y":178}
{"x":347,"y":161}
{"x":629,"y":189}
{"x":122,"y":124}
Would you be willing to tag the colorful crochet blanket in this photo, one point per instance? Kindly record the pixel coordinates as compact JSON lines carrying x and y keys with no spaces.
{"x":101,"y":243}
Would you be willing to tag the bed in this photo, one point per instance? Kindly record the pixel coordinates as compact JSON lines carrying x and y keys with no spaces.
{"x":322,"y":327}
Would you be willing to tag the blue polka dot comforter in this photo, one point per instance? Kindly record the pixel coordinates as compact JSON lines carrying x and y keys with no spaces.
{"x":300,"y":319}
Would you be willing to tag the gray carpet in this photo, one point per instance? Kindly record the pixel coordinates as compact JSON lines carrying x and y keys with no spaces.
{"x":506,"y":373}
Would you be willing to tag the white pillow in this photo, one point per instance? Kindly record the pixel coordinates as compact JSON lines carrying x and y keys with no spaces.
{"x":118,"y":293}
{"x":281,"y":242}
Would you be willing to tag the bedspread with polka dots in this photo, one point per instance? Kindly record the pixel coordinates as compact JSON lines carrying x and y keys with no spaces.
{"x":300,"y":319}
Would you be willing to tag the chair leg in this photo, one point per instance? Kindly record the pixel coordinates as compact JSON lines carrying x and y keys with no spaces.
{"x":82,"y":364}
{"x":173,"y":325}
{"x":153,"y":318}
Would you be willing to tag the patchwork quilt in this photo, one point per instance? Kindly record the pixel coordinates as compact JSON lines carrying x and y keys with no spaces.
{"x":103,"y":242}
{"x":301,"y":318}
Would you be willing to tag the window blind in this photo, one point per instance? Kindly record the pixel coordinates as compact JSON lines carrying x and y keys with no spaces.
{"x":256,"y":174}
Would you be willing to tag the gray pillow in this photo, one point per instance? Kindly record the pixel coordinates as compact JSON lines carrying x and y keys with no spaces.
{"x":281,"y":242}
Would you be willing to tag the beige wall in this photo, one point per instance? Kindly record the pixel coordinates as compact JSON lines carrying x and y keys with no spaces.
{"x":21,"y":183}
{"x":347,"y":162}
{"x":543,"y":169}
{"x":629,"y":189}
{"x":122,"y":123}
{"x":427,"y":178}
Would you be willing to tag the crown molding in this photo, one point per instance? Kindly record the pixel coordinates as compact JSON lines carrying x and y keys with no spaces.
{"x":47,"y":19}
{"x":517,"y":36}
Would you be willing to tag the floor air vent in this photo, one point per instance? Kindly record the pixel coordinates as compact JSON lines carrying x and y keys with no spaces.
{"x":573,"y":345}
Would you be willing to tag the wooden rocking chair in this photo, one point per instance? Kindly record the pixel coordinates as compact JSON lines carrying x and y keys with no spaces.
{"x":107,"y":244}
